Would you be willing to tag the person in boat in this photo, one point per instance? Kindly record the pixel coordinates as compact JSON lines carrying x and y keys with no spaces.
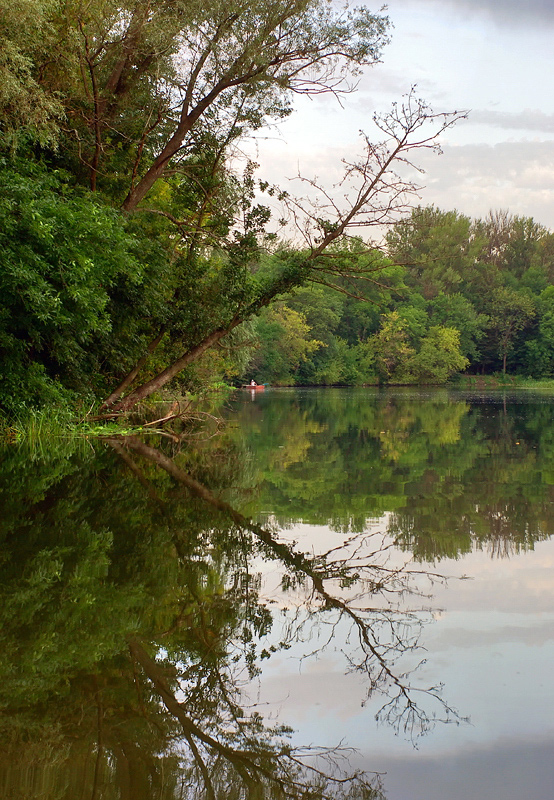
{"x":253,"y":382}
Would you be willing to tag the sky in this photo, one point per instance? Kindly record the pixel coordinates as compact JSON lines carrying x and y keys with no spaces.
{"x":493,"y":58}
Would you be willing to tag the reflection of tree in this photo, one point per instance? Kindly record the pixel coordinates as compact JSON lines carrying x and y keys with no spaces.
{"x":130,"y":621}
{"x":383,"y":632}
{"x":453,"y":472}
{"x":499,"y":499}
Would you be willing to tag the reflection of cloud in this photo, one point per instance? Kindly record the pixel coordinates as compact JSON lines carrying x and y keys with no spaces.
{"x":530,"y":635}
{"x":509,"y":769}
{"x":318,"y":691}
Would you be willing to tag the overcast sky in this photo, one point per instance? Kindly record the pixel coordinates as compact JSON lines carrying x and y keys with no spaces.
{"x":492,"y":57}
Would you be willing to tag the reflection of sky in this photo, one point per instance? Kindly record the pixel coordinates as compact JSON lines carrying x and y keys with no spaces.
{"x":492,"y":646}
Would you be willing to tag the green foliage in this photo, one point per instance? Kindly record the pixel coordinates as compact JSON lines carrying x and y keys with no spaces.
{"x":285,"y":342}
{"x":392,"y":349}
{"x":28,"y":110}
{"x":439,"y":249}
{"x":68,"y":271}
{"x":93,"y":300}
{"x":456,"y":311}
{"x":439,"y":356}
{"x":511,"y":312}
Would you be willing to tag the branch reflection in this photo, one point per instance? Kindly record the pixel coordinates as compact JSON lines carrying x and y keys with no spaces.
{"x":133,"y":620}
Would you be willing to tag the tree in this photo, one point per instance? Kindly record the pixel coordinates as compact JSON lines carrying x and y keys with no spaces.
{"x":540,"y":348}
{"x":285,"y":342}
{"x":512,"y":242}
{"x":456,"y":311}
{"x":155,"y":96}
{"x":392,"y":349}
{"x":439,"y":356}
{"x":376,"y":195}
{"x":69,"y":270}
{"x":511,"y":312}
{"x":439,"y":248}
{"x":140,"y":82}
{"x":27,"y":107}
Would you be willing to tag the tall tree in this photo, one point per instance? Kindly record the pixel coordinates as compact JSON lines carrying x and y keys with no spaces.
{"x":376,"y":195}
{"x":511,"y":312}
{"x":138,"y":79}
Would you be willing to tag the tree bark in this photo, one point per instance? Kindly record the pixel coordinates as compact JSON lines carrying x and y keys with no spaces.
{"x":160,"y":380}
{"x":130,"y":377}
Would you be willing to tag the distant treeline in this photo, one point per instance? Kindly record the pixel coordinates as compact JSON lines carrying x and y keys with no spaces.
{"x":454,"y":294}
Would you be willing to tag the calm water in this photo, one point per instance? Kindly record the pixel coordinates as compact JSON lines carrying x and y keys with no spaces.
{"x":371,"y":568}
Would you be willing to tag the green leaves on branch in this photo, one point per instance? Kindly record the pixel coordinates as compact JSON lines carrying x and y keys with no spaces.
{"x":66,"y":261}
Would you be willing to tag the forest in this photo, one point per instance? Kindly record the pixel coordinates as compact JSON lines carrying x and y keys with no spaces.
{"x":455,"y":295}
{"x":140,"y":256}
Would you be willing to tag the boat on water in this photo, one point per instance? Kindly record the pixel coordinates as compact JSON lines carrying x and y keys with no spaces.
{"x":254,"y":387}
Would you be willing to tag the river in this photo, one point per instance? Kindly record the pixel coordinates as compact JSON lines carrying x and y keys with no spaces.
{"x":370,"y":568}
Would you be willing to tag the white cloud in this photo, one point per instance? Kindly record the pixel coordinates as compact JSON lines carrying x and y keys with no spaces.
{"x":474,"y":178}
{"x":527,"y":120}
{"x":504,"y":12}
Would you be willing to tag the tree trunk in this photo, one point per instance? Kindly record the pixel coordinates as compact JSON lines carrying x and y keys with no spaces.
{"x":162,"y":378}
{"x":186,"y":123}
{"x":130,"y":377}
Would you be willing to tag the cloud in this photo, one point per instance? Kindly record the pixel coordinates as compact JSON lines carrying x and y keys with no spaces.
{"x":527,"y":120}
{"x":474,"y":178}
{"x":503,"y":12}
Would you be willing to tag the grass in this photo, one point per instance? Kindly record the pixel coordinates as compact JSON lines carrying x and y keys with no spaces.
{"x":501,"y":381}
{"x":34,"y":426}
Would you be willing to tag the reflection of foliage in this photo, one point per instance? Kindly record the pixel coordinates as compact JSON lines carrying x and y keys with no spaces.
{"x":455,"y":472}
{"x":383,"y":633}
{"x":127,"y":630}
{"x":132,"y":616}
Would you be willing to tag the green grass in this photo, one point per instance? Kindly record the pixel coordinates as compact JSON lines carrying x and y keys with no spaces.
{"x":500,"y":381}
{"x":36,"y":426}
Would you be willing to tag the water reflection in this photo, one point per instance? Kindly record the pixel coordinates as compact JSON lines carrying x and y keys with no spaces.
{"x":132,"y":613}
{"x":130,"y":621}
{"x":452,"y":471}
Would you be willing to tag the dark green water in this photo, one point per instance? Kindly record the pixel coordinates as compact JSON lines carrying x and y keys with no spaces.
{"x":153,"y":590}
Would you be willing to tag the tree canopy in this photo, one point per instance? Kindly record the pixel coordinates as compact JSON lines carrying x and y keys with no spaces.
{"x":137,"y":254}
{"x":128,"y":115}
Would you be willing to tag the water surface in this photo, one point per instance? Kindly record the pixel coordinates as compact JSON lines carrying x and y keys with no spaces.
{"x":160,"y":597}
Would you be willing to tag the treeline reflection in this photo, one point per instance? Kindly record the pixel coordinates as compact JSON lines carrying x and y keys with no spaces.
{"x":133,"y":614}
{"x":451,"y":471}
{"x":131,"y":618}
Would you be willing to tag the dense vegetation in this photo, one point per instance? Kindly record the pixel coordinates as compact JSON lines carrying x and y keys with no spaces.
{"x":463,"y":294}
{"x":135,"y":255}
